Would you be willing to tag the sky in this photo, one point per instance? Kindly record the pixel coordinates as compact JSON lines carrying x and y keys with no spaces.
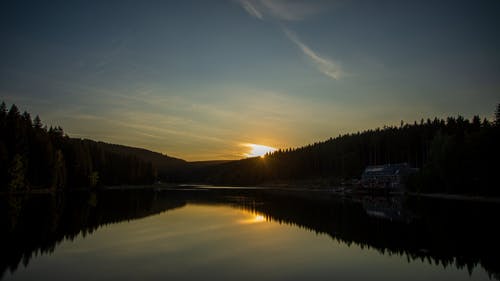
{"x":203,"y":80}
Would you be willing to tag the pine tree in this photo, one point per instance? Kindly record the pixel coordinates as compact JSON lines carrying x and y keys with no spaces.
{"x":27,"y":118}
{"x":17,"y":174}
{"x":497,"y":115}
{"x":3,"y":110}
{"x":37,"y":123}
{"x":3,"y":115}
{"x":13,"y":112}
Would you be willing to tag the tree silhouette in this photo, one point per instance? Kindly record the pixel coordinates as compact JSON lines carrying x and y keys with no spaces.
{"x":37,"y":122}
{"x":497,"y":115}
{"x":33,"y":157}
{"x":3,"y":110}
{"x":17,"y":174}
{"x":454,"y":155}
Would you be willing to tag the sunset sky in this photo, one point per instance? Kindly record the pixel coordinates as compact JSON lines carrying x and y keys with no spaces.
{"x":204,"y":80}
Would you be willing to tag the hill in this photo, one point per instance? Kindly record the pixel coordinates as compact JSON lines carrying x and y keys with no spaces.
{"x":454,"y":155}
{"x":165,"y":165}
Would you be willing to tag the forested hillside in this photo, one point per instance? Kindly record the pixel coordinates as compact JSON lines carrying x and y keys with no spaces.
{"x":33,"y":157}
{"x":165,"y":166}
{"x":454,"y":155}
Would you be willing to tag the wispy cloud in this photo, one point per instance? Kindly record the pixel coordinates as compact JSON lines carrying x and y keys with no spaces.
{"x":285,"y":10}
{"x":327,"y":66}
{"x":294,"y":10}
{"x":250,"y":8}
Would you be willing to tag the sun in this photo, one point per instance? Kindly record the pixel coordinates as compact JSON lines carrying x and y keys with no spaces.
{"x":258,"y":150}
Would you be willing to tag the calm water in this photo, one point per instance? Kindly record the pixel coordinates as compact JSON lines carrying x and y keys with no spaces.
{"x":244,"y":235}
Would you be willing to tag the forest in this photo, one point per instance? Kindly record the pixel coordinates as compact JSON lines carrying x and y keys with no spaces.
{"x":453,"y":155}
{"x":34,"y":157}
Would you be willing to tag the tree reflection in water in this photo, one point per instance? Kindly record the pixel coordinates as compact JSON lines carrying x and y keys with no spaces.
{"x":447,"y":233}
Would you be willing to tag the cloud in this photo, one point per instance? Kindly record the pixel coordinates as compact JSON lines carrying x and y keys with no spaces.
{"x":294,"y":10}
{"x":249,"y":7}
{"x":285,"y":10}
{"x":326,"y":66}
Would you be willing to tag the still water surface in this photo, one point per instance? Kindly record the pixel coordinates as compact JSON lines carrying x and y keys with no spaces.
{"x":218,"y":236}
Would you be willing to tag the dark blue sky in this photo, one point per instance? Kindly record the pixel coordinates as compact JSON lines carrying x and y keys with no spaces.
{"x":203,"y":79}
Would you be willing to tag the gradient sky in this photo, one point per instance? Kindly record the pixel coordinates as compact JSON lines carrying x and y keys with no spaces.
{"x":203,"y":79}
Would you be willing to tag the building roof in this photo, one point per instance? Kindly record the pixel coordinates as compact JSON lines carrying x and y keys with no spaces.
{"x":386,"y":170}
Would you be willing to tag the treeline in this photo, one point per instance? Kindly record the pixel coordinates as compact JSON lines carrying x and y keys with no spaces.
{"x":33,"y":157}
{"x":165,"y":166}
{"x":454,"y":155}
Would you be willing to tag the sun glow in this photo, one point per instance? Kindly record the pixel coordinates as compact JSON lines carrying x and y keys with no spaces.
{"x":255,"y":218}
{"x":259,"y":218}
{"x":258,"y":150}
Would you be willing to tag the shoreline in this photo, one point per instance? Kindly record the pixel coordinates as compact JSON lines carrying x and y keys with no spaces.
{"x":459,"y":197}
{"x":344,"y":192}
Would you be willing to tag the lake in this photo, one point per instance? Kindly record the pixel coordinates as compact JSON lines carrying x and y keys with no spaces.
{"x":245,"y":234}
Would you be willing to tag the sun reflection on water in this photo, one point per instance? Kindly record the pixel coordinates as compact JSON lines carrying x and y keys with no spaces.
{"x":254,"y":218}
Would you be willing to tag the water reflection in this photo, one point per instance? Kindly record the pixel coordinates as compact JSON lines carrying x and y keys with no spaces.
{"x":445,"y":233}
{"x":254,"y":218}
